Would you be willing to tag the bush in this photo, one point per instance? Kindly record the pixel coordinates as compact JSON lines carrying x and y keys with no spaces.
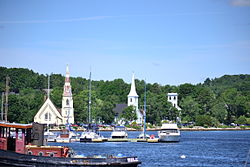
{"x":241,"y":120}
{"x":205,"y":120}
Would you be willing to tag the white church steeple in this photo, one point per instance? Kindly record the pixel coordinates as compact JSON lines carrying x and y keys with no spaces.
{"x":67,"y":101}
{"x":133,"y":100}
{"x":132,"y":89}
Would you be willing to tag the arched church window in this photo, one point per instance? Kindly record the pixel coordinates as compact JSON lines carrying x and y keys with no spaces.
{"x":131,"y":99}
{"x":174,"y":98}
{"x":67,"y":102}
{"x":169,"y":97}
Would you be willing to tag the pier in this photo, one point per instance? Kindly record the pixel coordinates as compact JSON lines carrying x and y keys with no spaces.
{"x":155,"y":140}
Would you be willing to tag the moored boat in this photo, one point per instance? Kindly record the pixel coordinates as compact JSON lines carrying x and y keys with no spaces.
{"x":92,"y":132}
{"x":169,"y":133}
{"x":50,"y":136}
{"x":119,"y":132}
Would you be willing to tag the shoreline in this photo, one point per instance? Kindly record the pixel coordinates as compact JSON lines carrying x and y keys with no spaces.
{"x":188,"y":129}
{"x":158,"y":129}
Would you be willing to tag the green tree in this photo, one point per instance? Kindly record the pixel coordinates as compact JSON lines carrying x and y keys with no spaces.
{"x":219,"y":112}
{"x":241,"y":120}
{"x":129,"y":114}
{"x":190,"y":109}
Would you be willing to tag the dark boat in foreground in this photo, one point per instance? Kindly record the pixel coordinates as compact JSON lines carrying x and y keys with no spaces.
{"x":9,"y":158}
{"x":22,"y":145}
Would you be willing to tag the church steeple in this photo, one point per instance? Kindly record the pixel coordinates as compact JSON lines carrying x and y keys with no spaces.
{"x":67,"y":86}
{"x":133,"y":100}
{"x":67,"y":101}
{"x":132,"y":89}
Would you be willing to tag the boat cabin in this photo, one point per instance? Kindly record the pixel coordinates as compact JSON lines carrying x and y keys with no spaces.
{"x":27,"y":139}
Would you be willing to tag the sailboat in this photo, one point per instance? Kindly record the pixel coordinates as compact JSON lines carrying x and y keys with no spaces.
{"x":143,"y":135}
{"x":91,"y":130}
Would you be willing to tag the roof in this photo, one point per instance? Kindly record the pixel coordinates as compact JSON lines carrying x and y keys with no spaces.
{"x":15,"y":125}
{"x":119,"y":108}
{"x":172,"y":94}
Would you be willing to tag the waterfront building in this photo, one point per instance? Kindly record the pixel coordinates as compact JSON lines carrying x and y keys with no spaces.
{"x":133,"y":101}
{"x":173,"y":98}
{"x":49,"y":114}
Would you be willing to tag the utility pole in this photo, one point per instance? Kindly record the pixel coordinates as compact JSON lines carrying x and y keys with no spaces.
{"x":2,"y":106}
{"x":6,"y":97}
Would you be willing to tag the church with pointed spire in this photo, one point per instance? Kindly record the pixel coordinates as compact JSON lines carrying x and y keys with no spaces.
{"x":67,"y":101}
{"x":133,"y":101}
{"x":49,"y":114}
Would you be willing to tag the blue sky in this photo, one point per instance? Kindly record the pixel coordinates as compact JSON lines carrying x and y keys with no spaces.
{"x":165,"y":41}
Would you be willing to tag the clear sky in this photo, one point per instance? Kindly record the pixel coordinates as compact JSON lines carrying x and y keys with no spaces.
{"x":165,"y":41}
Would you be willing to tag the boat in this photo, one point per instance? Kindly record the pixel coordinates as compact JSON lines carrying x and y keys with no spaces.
{"x":169,"y":133}
{"x":91,"y":129}
{"x":8,"y":158}
{"x":144,"y":134}
{"x":90,"y":134}
{"x":119,"y":132}
{"x":28,"y":149}
{"x":50,"y":136}
{"x":66,"y":136}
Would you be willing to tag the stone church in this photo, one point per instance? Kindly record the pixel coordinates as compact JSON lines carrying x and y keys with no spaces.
{"x":49,"y":114}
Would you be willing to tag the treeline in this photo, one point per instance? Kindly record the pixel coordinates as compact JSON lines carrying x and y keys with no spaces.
{"x":220,"y":100}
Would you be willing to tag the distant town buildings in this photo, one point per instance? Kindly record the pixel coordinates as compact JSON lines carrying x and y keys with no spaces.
{"x":49,"y":114}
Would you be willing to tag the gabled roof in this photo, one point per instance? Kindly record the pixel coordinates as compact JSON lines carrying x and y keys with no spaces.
{"x":48,"y":103}
{"x":119,"y":108}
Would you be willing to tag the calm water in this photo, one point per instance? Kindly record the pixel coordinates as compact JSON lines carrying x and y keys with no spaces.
{"x":214,"y":148}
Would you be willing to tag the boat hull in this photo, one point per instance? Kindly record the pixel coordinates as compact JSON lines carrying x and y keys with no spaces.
{"x":9,"y":158}
{"x":169,"y":138}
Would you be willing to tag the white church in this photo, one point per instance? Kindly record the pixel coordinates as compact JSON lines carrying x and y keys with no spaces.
{"x":133,"y":101}
{"x":49,"y":114}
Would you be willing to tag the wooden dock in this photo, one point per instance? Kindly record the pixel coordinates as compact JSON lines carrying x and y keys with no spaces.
{"x":126,"y":140}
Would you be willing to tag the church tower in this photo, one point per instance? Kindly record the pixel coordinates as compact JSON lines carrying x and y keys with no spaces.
{"x":133,"y":100}
{"x":67,"y":101}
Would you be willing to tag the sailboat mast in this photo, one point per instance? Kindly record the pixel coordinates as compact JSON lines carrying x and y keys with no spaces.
{"x":6,"y":97}
{"x":144,"y":113}
{"x":89,"y":106}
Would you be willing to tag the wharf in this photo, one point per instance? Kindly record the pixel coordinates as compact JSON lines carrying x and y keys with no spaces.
{"x":126,"y":140}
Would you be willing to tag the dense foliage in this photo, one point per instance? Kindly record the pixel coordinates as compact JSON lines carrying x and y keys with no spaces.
{"x":220,"y":100}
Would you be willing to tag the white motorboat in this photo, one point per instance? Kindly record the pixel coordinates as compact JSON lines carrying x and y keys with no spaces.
{"x":92,"y":132}
{"x":169,"y":133}
{"x":89,"y":136}
{"x":119,"y":132}
{"x":50,"y":136}
{"x":66,"y":137}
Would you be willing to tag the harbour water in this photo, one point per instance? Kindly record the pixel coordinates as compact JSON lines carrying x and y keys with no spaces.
{"x":196,"y":149}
